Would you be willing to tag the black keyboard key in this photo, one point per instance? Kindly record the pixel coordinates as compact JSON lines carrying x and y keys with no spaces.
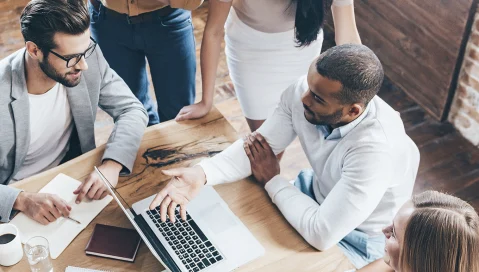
{"x":183,"y":242}
{"x":208,"y":243}
{"x":212,"y":260}
{"x":201,"y":246}
{"x":167,"y":238}
{"x":219,"y":258}
{"x":151,"y":216}
{"x":188,"y":238}
{"x":186,"y":224}
{"x":157,"y":216}
{"x":197,"y":261}
{"x":177,"y":252}
{"x":208,"y":255}
{"x":198,"y":251}
{"x":187,"y":267}
{"x":189,"y":229}
{"x":181,"y":257}
{"x":176,"y":233}
{"x":189,"y":250}
{"x":192,"y":255}
{"x":201,"y":266}
{"x":157,"y":225}
{"x":215,"y":253}
{"x":177,"y":212}
{"x":176,"y":242}
{"x":195,"y":237}
{"x":191,"y":242}
{"x":181,"y":229}
{"x":173,"y":229}
{"x":206,"y":262}
{"x":186,"y":246}
{"x":185,"y":255}
{"x":194,"y":246}
{"x":184,"y":233}
{"x":189,"y":260}
{"x":182,"y":251}
{"x":212,"y":249}
{"x":184,"y":261}
{"x":196,"y":269}
{"x":169,"y":233}
{"x":148,"y":212}
{"x":201,"y":255}
{"x":192,"y":233}
{"x":179,"y":246}
{"x":205,"y":250}
{"x":173,"y":247}
{"x":172,"y":237}
{"x":180,"y":237}
{"x":171,"y":243}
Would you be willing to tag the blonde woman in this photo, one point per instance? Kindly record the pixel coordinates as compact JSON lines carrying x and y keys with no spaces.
{"x":433,"y":232}
{"x":269,"y":45}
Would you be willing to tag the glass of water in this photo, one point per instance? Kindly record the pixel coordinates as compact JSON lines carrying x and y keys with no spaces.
{"x":38,"y":254}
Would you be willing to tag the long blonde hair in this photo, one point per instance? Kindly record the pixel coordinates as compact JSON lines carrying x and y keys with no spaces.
{"x":442,"y":235}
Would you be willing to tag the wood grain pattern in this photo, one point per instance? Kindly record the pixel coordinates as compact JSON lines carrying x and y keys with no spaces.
{"x":169,"y":145}
{"x":419,"y":43}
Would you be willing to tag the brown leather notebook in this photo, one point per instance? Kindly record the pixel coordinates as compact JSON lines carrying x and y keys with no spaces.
{"x":113,"y":242}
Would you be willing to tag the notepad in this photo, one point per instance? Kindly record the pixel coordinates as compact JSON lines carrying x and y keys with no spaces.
{"x":80,"y":269}
{"x":61,"y":232}
{"x":113,"y":242}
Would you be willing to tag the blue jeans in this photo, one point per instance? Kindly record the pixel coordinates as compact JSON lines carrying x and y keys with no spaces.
{"x":358,"y":247}
{"x":166,"y":42}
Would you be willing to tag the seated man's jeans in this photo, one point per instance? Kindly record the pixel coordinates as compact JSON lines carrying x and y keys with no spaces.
{"x":169,"y":46}
{"x":357,"y":246}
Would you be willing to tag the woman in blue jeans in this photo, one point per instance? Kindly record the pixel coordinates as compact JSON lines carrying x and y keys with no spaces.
{"x":160,"y":32}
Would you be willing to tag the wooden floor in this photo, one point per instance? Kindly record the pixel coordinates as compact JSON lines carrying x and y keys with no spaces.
{"x":449,"y":163}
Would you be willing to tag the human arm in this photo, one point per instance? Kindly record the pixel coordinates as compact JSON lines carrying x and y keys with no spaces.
{"x":344,"y":20}
{"x":209,"y":57}
{"x":121,"y":149}
{"x":364,"y":181}
{"x":43,"y":208}
{"x":230,"y":165}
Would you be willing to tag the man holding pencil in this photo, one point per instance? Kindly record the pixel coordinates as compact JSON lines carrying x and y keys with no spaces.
{"x":49,"y":94}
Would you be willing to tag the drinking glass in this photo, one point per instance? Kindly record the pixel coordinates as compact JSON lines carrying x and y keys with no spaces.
{"x":38,"y":254}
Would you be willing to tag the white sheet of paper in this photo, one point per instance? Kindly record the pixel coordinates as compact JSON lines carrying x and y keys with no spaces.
{"x":61,"y":232}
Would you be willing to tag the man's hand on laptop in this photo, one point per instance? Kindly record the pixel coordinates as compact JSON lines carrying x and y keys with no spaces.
{"x":93,"y":187}
{"x":264,"y":163}
{"x":184,"y":185}
{"x":43,"y":208}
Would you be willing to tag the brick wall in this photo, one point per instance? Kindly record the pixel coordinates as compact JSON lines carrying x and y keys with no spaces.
{"x":464,"y":114}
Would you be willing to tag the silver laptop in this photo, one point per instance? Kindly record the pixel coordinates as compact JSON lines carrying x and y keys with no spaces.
{"x":211,"y":239}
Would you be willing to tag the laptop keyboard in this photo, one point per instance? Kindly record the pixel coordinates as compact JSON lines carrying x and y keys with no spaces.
{"x":187,"y":240}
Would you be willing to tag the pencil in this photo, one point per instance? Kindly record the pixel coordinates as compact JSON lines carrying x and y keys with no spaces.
{"x":68,"y":217}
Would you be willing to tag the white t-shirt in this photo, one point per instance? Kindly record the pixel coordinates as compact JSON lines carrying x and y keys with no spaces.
{"x":50,"y":129}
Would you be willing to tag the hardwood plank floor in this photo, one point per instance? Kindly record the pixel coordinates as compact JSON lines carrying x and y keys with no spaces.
{"x":448,"y":162}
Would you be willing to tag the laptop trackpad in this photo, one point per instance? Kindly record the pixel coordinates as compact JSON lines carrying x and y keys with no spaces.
{"x":217,"y":218}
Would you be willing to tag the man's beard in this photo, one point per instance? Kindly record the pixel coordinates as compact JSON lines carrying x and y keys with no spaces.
{"x":53,"y":74}
{"x":324,"y":120}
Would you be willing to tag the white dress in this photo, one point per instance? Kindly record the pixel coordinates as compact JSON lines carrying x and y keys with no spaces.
{"x":263,"y":58}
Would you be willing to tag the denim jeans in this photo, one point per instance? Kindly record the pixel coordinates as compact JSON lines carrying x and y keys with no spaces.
{"x":167,"y":43}
{"x":358,"y":247}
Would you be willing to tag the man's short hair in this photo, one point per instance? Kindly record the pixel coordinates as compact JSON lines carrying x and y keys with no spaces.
{"x":41,"y":19}
{"x":358,"y":70}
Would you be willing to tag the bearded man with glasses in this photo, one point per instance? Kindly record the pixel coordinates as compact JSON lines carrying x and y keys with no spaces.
{"x":49,"y":94}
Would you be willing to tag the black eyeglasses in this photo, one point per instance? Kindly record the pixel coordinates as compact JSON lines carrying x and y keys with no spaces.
{"x":75,"y":59}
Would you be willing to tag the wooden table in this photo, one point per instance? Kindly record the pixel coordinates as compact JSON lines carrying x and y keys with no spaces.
{"x":172,"y":144}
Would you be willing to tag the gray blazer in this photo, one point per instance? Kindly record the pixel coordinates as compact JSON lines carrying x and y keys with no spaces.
{"x":99,"y":86}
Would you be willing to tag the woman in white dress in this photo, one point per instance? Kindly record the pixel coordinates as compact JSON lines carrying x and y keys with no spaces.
{"x":269,"y":44}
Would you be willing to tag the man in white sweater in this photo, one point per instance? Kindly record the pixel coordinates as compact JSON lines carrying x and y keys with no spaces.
{"x":364,"y":164}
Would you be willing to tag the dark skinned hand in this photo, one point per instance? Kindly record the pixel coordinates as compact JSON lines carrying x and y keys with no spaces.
{"x":264,"y":163}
